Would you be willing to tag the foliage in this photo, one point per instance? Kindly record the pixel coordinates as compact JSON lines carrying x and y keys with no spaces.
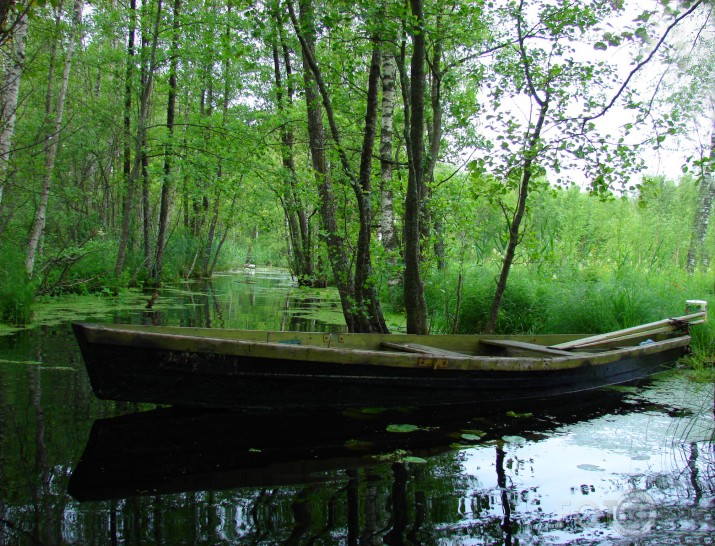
{"x":583,"y":301}
{"x":586,"y":265}
{"x":16,"y":292}
{"x":226,"y":179}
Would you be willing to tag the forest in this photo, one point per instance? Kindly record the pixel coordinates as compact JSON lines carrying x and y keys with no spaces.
{"x":473,"y":166}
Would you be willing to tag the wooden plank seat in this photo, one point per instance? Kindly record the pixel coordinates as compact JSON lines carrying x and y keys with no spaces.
{"x":419,"y":349}
{"x":534,"y":347}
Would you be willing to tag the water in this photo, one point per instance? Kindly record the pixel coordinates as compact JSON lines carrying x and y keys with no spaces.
{"x":623,"y":466}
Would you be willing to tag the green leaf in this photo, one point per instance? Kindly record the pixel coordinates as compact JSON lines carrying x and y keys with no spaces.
{"x":402,"y":428}
{"x":413,"y":459}
{"x":600,"y":46}
{"x":517,"y":415}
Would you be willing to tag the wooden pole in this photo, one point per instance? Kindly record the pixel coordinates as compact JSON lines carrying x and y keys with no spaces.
{"x":666,"y":325}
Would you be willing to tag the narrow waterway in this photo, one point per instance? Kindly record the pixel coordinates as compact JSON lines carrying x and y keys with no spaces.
{"x":620,"y":466}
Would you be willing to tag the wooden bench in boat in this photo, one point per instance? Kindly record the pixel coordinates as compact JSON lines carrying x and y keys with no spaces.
{"x":420,"y":349}
{"x":534,"y":347}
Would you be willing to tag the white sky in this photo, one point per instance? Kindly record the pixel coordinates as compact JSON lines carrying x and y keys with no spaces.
{"x":669,"y":159}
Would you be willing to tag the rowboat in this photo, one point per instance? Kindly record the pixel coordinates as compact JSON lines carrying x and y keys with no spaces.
{"x":252,"y":369}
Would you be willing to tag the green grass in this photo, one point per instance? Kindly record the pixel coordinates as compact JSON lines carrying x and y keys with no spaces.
{"x":572,"y":300}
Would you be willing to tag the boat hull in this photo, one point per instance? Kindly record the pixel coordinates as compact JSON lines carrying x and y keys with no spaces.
{"x":154,"y":372}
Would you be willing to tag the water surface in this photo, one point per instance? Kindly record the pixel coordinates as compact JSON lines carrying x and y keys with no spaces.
{"x":621,"y":466}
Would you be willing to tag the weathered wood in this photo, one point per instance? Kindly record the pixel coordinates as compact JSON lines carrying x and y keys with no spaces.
{"x":421,"y":349}
{"x":644,"y":329}
{"x":252,"y":369}
{"x":512,"y":344}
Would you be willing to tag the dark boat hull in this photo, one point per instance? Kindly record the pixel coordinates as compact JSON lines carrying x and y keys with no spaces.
{"x":164,"y":376}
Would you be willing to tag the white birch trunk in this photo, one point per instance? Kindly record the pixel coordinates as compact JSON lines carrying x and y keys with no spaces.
{"x":14,"y":64}
{"x":387,"y":217}
{"x":696,"y":250}
{"x":52,"y":144}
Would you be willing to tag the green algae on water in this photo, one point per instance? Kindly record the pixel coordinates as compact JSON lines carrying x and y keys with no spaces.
{"x":63,"y":309}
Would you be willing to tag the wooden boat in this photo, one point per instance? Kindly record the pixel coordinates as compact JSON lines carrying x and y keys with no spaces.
{"x":264,"y":369}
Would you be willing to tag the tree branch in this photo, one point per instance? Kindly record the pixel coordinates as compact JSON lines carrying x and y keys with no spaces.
{"x":641,"y":64}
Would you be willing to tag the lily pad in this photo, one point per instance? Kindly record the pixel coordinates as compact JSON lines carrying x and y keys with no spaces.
{"x":514,"y":439}
{"x":457,"y":446}
{"x":370,"y":411}
{"x":358,"y":445}
{"x":590,"y":467}
{"x":403,"y":428}
{"x":413,"y":459}
{"x":517,"y":415}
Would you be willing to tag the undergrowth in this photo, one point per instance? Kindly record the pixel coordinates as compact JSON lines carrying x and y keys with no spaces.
{"x":572,"y":300}
{"x":16,"y":291}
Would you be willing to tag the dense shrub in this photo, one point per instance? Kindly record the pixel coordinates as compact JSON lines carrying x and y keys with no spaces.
{"x":16,"y":292}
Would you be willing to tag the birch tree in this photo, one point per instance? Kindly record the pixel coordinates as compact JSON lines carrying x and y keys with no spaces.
{"x":697,"y":254}
{"x":52,"y":138}
{"x":387,"y":216}
{"x":360,"y":302}
{"x":13,"y":60}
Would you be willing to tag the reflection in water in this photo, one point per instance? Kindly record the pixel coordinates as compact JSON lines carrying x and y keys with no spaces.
{"x":265,"y":301}
{"x":623,"y":467}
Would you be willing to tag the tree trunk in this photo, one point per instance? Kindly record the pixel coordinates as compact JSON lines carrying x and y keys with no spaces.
{"x":52,"y":143}
{"x":128,"y":196}
{"x":146,"y":206}
{"x":387,"y":217}
{"x":142,"y":121}
{"x":363,"y":313}
{"x":295,"y":211}
{"x":223,"y":236}
{"x":515,"y":224}
{"x":706,"y":193}
{"x":337,"y":256}
{"x":370,"y":314}
{"x":415,"y":304}
{"x":208,"y":247}
{"x":435,"y":141}
{"x":168,"y":182}
{"x":9,"y":93}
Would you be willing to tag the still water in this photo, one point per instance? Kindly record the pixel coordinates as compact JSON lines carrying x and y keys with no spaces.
{"x":622,"y":466}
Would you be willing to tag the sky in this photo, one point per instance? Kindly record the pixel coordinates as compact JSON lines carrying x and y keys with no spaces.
{"x":672,"y":154}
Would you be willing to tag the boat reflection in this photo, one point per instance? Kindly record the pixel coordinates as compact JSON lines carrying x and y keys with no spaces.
{"x":173,"y":450}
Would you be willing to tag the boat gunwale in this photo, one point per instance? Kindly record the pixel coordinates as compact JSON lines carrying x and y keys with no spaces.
{"x":157,"y":339}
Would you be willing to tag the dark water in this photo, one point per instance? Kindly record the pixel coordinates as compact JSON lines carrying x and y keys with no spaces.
{"x":622,"y":466}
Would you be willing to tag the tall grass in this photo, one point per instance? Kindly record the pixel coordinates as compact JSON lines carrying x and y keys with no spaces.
{"x":573,"y":300}
{"x":16,"y":291}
